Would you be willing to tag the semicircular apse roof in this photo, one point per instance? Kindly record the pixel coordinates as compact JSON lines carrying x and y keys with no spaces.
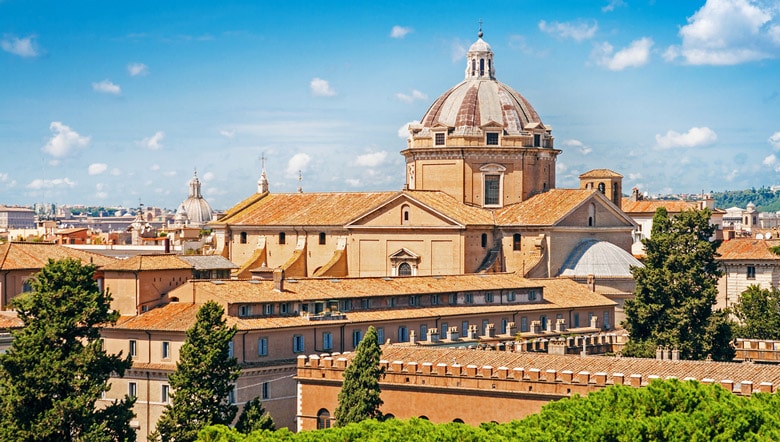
{"x":599,"y":258}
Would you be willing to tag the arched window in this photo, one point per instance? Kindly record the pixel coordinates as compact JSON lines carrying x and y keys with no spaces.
{"x":282,"y":238}
{"x":458,"y":420}
{"x":481,"y":67}
{"x":243,"y":238}
{"x":424,"y":417}
{"x":473,"y":67}
{"x":615,"y":193}
{"x":404,"y":269}
{"x":323,"y":419}
{"x":516,"y":241}
{"x":404,"y":214}
{"x":484,"y":240}
{"x":323,"y":238}
{"x":388,"y":416}
{"x":602,"y":188}
{"x":591,"y":215}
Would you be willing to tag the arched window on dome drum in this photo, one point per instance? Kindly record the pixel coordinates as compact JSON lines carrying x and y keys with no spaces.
{"x":323,"y":419}
{"x":481,"y":67}
{"x":243,"y":238}
{"x":404,"y":269}
{"x":484,"y":240}
{"x":473,"y":67}
{"x":282,"y":238}
{"x":516,"y":241}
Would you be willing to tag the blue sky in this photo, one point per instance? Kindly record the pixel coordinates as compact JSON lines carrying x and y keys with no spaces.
{"x":114,"y":104}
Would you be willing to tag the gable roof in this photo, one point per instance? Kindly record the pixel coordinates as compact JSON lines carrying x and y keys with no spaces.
{"x":149,"y":262}
{"x":601,"y":173}
{"x":549,"y":208}
{"x":34,"y":256}
{"x":747,"y":249}
{"x":440,"y":203}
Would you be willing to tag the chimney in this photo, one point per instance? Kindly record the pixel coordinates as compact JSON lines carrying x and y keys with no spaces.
{"x":592,"y":282}
{"x":279,"y":280}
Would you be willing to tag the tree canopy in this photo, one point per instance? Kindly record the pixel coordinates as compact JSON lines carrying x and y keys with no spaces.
{"x":359,"y":396}
{"x":664,"y":410}
{"x":56,"y":368}
{"x":203,"y":379}
{"x":758,"y":313}
{"x":677,"y":289}
{"x":254,"y":418}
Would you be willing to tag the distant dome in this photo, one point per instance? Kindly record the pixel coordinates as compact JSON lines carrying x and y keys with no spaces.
{"x":196,"y":207}
{"x":481,"y":99}
{"x":599,"y":258}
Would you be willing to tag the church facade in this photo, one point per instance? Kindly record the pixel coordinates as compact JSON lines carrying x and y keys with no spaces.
{"x":479,"y":197}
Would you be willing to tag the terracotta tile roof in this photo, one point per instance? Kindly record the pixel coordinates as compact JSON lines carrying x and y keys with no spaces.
{"x":452,"y":208}
{"x":649,"y":206}
{"x":34,"y":256}
{"x":601,"y":173}
{"x":9,"y":319}
{"x":718,"y":371}
{"x":171,"y":317}
{"x":149,"y":262}
{"x":544,"y":209}
{"x":208,"y":262}
{"x":747,"y":249}
{"x":298,"y":209}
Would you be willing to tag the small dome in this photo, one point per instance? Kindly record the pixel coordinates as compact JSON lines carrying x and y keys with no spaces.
{"x":599,"y":258}
{"x":480,"y":46}
{"x":196,"y":207}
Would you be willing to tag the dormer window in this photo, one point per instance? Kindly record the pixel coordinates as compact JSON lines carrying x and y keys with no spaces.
{"x":439,"y":139}
{"x":491,"y":138}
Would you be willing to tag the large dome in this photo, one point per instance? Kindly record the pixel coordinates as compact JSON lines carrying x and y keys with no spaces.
{"x":599,"y":258}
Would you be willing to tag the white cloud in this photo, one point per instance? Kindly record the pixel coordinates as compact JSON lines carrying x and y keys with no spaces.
{"x":769,"y":160}
{"x":458,"y":51}
{"x":727,"y":32}
{"x":38,"y":183}
{"x":97,"y":168}
{"x":577,"y":31}
{"x":154,"y":167}
{"x":403,"y":131}
{"x":116,"y":171}
{"x":228,"y":133}
{"x":353,"y":182}
{"x":107,"y":87}
{"x":578,"y":145}
{"x":169,"y":173}
{"x":208,"y":176}
{"x":371,"y":159}
{"x":23,"y":47}
{"x":415,"y":95}
{"x":635,"y":55}
{"x":696,"y":136}
{"x":400,"y":31}
{"x":321,"y":88}
{"x":298,"y":162}
{"x":774,"y":140}
{"x":101,"y":191}
{"x":136,"y":69}
{"x":634,"y":176}
{"x":609,"y":7}
{"x":64,"y":140}
{"x":154,"y":142}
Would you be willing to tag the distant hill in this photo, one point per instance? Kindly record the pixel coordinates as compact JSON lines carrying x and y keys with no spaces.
{"x":765,"y":199}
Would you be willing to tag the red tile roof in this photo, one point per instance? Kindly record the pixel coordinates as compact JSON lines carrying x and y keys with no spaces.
{"x":34,"y":256}
{"x":747,"y":249}
{"x":149,"y":262}
{"x":601,"y":173}
{"x":544,"y":209}
{"x":650,"y":206}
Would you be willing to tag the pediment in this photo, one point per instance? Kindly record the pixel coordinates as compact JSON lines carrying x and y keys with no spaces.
{"x":492,"y":125}
{"x":390,"y":214}
{"x":404,"y":254}
{"x":492,"y":168}
{"x":606,"y":213}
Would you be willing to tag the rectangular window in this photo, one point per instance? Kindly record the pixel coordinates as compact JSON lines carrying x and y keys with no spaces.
{"x":443,"y":330}
{"x":392,"y":302}
{"x":133,"y":348}
{"x":403,"y":334}
{"x":516,"y":242}
{"x":468,"y":298}
{"x":413,"y":300}
{"x":489,"y":297}
{"x":346,"y":305}
{"x":165,"y":396}
{"x":232,"y":395}
{"x":464,"y":328}
{"x":485,"y":323}
{"x":166,"y":350}
{"x":504,"y":323}
{"x":453,"y":299}
{"x":439,"y":138}
{"x":380,"y":335}
{"x":434,"y":299}
{"x":323,"y":238}
{"x":262,"y":346}
{"x":491,"y":139}
{"x":282,"y":238}
{"x":365,"y":303}
{"x":537,"y":140}
{"x":606,"y":319}
{"x":266,"y":393}
{"x":492,"y":187}
{"x":244,"y":310}
{"x":230,"y":349}
{"x":576,"y":320}
{"x":284,"y":308}
{"x":298,"y":344}
{"x":751,"y":272}
{"x":423,"y":331}
{"x":327,"y":341}
{"x":357,"y":336}
{"x":132,"y":389}
{"x":268,"y":309}
{"x":511,"y":296}
{"x":523,"y":324}
{"x":532,"y":295}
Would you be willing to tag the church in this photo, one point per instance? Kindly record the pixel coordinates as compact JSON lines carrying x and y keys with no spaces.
{"x":479,"y":197}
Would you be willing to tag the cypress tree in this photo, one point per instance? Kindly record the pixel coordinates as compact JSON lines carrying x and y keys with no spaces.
{"x":56,"y":368}
{"x":359,"y":396}
{"x":254,"y":418}
{"x":203,"y":379}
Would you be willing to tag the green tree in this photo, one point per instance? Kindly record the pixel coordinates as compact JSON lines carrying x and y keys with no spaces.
{"x":359,"y":396}
{"x":676,"y":291}
{"x":758,"y":313}
{"x":56,"y":368}
{"x":254,"y":418}
{"x":203,"y":379}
